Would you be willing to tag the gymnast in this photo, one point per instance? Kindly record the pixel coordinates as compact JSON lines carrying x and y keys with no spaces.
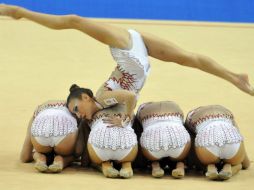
{"x":122,"y":39}
{"x":217,"y":140}
{"x":164,"y":135}
{"x":52,"y":131}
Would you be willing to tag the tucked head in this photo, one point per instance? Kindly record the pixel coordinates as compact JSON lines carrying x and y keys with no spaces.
{"x":81,"y":102}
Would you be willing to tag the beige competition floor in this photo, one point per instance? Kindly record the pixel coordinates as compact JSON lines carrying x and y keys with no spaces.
{"x":38,"y":64}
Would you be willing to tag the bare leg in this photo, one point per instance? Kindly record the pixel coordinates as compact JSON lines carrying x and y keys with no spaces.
{"x":39,"y":157}
{"x":167,"y":51}
{"x":212,"y":172}
{"x":157,"y":171}
{"x":108,"y":170}
{"x":40,"y":162}
{"x":179,"y":171}
{"x":246,"y":161}
{"x":238,"y":157}
{"x":207,"y":158}
{"x":235,"y":169}
{"x":105,"y":33}
{"x":119,"y":38}
{"x":234,"y":163}
{"x":93,"y":156}
{"x":126,"y":170}
{"x":67,"y":146}
{"x":226,"y":172}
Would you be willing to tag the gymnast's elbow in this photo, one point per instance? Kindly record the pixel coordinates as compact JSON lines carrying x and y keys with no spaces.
{"x":25,"y":159}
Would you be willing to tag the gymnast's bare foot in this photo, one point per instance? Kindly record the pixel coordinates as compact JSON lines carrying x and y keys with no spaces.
{"x":40,"y":162}
{"x":226,"y":172}
{"x":11,"y":11}
{"x":57,"y":165}
{"x":126,"y":170}
{"x":157,"y":171}
{"x":241,"y":81}
{"x":212,"y":172}
{"x":179,"y":171}
{"x":109,"y":171}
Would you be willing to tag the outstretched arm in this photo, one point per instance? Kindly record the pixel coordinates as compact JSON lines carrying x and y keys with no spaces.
{"x":169,"y":52}
{"x":105,"y":33}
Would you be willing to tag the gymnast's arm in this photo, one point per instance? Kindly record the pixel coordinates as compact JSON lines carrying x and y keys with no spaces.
{"x":123,"y":97}
{"x":105,"y":33}
{"x":26,"y":154}
{"x":167,"y":51}
{"x":79,"y":148}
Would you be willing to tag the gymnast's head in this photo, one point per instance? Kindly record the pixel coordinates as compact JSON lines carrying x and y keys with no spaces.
{"x":81,"y":102}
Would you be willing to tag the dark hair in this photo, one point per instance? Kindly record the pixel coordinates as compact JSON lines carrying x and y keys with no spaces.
{"x":76,"y":92}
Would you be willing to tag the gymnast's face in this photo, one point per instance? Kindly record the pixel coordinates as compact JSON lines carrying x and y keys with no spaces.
{"x":82,"y":108}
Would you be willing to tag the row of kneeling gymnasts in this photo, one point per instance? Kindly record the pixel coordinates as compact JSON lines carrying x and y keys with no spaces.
{"x":156,"y":139}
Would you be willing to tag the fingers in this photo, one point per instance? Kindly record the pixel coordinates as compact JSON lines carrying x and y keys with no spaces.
{"x":108,"y":120}
{"x":114,"y":125}
{"x":110,"y":126}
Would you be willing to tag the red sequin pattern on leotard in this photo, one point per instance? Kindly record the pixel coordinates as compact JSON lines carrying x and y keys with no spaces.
{"x":126,"y":82}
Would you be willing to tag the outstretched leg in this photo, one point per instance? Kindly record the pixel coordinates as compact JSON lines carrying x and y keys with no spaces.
{"x":105,"y":33}
{"x":167,"y":51}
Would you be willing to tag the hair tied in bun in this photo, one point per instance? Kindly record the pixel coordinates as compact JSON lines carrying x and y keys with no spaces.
{"x":74,"y":87}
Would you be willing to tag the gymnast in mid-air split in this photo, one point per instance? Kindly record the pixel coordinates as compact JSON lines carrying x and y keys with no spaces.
{"x":120,"y":38}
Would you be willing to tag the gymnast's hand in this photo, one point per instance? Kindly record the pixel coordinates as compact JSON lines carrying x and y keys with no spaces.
{"x":117,"y":121}
{"x":11,"y":11}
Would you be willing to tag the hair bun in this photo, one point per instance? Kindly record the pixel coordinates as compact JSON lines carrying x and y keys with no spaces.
{"x":74,"y":87}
